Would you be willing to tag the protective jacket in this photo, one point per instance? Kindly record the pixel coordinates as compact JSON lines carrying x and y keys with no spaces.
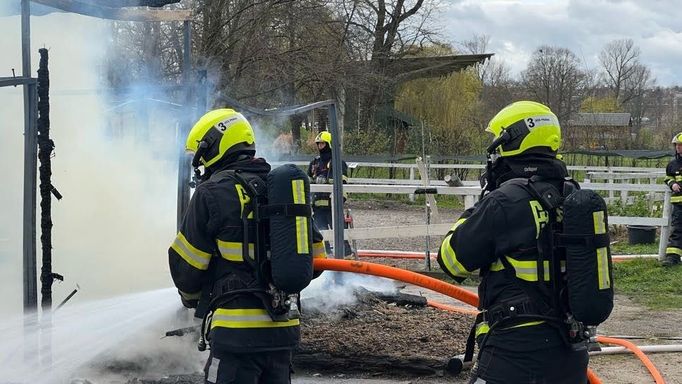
{"x":673,"y":175}
{"x":207,"y":252}
{"x":320,"y":172}
{"x":501,"y":232}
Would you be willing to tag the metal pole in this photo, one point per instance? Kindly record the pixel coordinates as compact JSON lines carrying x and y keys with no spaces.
{"x":337,"y":194}
{"x":183,"y":161}
{"x":30,"y":164}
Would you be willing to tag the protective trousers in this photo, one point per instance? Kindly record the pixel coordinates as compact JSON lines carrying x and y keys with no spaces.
{"x":273,"y":367}
{"x":675,"y":240}
{"x":322,"y":217}
{"x":559,"y":365}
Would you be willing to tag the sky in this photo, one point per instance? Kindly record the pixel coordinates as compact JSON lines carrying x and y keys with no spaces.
{"x":516,"y":28}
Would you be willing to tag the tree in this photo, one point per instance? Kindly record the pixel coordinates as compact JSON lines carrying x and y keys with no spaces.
{"x":446,"y":106}
{"x":497,"y":85}
{"x":553,"y":77}
{"x":622,"y":73}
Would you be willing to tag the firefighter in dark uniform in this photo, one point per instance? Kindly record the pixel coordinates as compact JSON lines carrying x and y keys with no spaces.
{"x":499,"y":237}
{"x":673,"y":178}
{"x":320,"y":172}
{"x":247,"y":346}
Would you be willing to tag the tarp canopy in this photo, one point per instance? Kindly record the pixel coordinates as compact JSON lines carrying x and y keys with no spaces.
{"x":629,"y":153}
{"x":386,"y":158}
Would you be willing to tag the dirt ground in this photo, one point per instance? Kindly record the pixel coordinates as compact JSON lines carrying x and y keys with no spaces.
{"x":375,"y":342}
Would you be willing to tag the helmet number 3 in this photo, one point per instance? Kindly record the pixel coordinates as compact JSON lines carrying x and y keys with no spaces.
{"x":223,"y":125}
{"x":530,"y":123}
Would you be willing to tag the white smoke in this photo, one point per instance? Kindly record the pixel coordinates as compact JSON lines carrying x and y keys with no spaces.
{"x":117,"y":217}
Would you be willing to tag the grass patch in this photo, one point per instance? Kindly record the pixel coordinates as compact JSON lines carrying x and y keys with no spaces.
{"x":649,"y":284}
{"x":623,"y":248}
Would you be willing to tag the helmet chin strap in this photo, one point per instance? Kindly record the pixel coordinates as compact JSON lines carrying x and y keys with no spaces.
{"x":488,"y":178}
{"x":196,"y":160}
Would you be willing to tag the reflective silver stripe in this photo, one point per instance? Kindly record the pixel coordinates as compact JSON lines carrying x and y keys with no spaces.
{"x":232,"y":250}
{"x":212,"y":375}
{"x":298,"y":191}
{"x":192,"y":255}
{"x":480,"y":381}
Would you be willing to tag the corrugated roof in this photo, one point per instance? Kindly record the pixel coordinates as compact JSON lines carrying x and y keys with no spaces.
{"x":616,"y":119}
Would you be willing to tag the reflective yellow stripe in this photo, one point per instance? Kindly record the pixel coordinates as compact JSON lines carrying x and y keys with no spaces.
{"x":602,"y":253}
{"x":676,"y":199}
{"x":528,"y":324}
{"x":668,"y":179}
{"x":678,"y":177}
{"x":673,"y":250}
{"x":190,"y":296}
{"x":528,"y":269}
{"x":496,"y":266}
{"x":232,"y":250}
{"x":318,"y":250}
{"x":482,"y":328}
{"x":321,"y":203}
{"x":192,"y":255}
{"x":247,"y":318}
{"x":449,"y":257}
{"x":457,"y":224}
{"x":298,"y":191}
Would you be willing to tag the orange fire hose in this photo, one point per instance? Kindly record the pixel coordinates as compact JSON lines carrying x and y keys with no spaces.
{"x":658,"y":378}
{"x":420,"y":255}
{"x":412,"y":278}
{"x":593,"y":379}
{"x":451,"y":308}
{"x":398,"y":274}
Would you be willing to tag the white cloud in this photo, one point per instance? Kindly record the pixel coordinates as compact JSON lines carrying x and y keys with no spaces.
{"x":517,"y":27}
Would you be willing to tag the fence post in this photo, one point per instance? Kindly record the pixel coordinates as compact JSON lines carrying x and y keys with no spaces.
{"x":411,"y":195}
{"x":665,"y":230}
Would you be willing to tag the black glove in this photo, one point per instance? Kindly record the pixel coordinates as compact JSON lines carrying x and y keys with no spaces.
{"x":188,"y":303}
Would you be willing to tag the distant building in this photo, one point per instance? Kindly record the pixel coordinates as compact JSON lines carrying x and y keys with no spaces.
{"x":597,"y":131}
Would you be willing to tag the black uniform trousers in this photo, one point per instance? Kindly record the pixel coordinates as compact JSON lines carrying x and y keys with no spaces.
{"x":322,"y":217}
{"x":559,"y":365}
{"x":675,"y":239}
{"x":273,"y":367}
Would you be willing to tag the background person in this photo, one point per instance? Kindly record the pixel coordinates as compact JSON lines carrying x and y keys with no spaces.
{"x":673,"y":178}
{"x":320,"y":172}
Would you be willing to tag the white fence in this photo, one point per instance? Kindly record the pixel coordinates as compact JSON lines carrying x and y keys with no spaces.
{"x":471,"y":191}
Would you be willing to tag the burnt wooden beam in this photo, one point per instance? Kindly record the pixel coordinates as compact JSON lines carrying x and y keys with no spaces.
{"x":122,"y":14}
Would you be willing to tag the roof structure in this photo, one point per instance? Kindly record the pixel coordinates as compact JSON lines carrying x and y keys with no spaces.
{"x":617,"y":119}
{"x":112,"y":9}
{"x":411,"y":68}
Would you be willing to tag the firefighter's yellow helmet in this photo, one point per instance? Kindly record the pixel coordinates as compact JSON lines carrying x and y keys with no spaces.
{"x":677,"y":139}
{"x":219,"y":133}
{"x":525,"y":127}
{"x":324,"y":137}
